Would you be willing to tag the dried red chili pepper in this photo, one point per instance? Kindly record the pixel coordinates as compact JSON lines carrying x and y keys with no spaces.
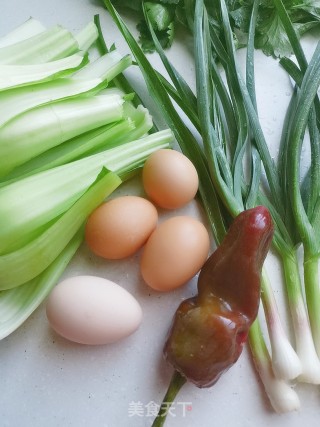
{"x":209,"y":330}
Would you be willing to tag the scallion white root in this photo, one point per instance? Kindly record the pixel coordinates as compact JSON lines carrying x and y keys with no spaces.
{"x":285,"y":361}
{"x":305,"y":346}
{"x":282,"y":396}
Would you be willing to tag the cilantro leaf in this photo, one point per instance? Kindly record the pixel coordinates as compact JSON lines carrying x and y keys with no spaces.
{"x":162,"y":20}
{"x":164,"y":37}
{"x":160,"y":15}
{"x":272,"y":38}
{"x":270,"y":34}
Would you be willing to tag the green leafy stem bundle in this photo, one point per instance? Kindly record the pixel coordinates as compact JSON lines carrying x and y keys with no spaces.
{"x":225,"y":114}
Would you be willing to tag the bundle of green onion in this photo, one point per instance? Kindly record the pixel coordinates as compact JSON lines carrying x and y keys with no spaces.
{"x":68,"y":137}
{"x":224,"y":113}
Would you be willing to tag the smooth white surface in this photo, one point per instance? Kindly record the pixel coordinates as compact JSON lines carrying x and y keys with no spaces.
{"x":47,"y":381}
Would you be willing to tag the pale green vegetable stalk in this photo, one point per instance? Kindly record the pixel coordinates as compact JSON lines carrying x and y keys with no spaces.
{"x":137,"y":123}
{"x":106,"y":67}
{"x":87,"y":36}
{"x":34,"y":257}
{"x":19,"y":100}
{"x":28,"y":205}
{"x":54,"y":43}
{"x":18,"y":75}
{"x":17,"y":304}
{"x":36,"y":131}
{"x":27,"y":29}
{"x":48,"y":45}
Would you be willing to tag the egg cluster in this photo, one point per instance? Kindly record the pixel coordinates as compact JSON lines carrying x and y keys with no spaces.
{"x":172,"y":251}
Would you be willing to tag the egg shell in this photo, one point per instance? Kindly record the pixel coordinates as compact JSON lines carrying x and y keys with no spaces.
{"x":174,"y":253}
{"x":120,"y":227}
{"x":170,"y":179}
{"x":92,"y":310}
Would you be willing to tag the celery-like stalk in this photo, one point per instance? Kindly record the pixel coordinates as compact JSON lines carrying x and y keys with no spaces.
{"x":71,"y":150}
{"x":27,"y":205}
{"x":17,"y":101}
{"x":87,"y":36}
{"x":40,"y":129}
{"x":54,"y":43}
{"x":18,"y":75}
{"x":136,"y":125}
{"x":17,"y":304}
{"x":27,"y":29}
{"x":105,"y":67}
{"x":32,"y":259}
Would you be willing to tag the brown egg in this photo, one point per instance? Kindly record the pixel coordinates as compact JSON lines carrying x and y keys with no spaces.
{"x":170,"y":179}
{"x":174,"y":253}
{"x":120,"y":227}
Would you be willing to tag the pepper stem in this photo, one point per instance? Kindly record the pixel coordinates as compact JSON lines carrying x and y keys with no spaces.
{"x":175,"y":385}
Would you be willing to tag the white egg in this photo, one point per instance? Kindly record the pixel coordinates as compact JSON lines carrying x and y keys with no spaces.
{"x":92,"y":310}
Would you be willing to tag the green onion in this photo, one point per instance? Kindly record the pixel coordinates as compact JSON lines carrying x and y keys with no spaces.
{"x":283,"y":397}
{"x":304,"y":219}
{"x":224,"y":158}
{"x":185,"y":138}
{"x":284,"y":244}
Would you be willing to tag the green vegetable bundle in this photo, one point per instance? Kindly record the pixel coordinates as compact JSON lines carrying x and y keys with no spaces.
{"x":270,"y":35}
{"x":237,"y":172}
{"x":71,"y":131}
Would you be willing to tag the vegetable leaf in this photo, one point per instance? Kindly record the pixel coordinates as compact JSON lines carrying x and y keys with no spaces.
{"x":270,"y":36}
{"x":161,"y":18}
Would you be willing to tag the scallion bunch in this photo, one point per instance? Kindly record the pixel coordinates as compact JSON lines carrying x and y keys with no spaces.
{"x":224,"y":112}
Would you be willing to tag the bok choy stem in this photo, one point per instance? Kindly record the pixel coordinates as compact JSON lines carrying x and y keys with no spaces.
{"x":29,"y":261}
{"x":66,"y":183}
{"x":40,"y":129}
{"x":17,"y":304}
